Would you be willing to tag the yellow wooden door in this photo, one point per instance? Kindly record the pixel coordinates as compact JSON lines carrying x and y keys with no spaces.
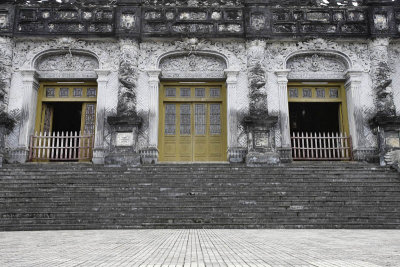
{"x":192,"y":124}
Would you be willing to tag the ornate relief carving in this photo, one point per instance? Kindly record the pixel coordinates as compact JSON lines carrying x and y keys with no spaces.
{"x":381,"y":77}
{"x":151,"y":51}
{"x":394,"y":63}
{"x":193,"y":3}
{"x":277,"y":53}
{"x":26,"y":50}
{"x":67,"y":62}
{"x":257,"y":78}
{"x":128,"y":78}
{"x":316,"y":66}
{"x":316,"y":63}
{"x":6,"y":48}
{"x":184,"y":66}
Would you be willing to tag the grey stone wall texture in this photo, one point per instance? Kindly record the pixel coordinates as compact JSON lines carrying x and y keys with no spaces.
{"x":256,"y":46}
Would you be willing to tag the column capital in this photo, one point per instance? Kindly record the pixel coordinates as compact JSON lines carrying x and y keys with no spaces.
{"x":29,"y":75}
{"x":282,"y":75}
{"x":231,"y":75}
{"x":102,"y":75}
{"x":154,"y":75}
{"x":353,"y":77}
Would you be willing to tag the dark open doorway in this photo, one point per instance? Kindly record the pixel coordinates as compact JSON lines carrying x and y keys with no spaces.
{"x":314,"y":117}
{"x":67,"y":117}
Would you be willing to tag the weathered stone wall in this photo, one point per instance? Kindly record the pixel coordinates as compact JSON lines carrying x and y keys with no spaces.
{"x":6,"y":54}
{"x":394,"y":61}
{"x":67,"y":65}
{"x":255,"y":46}
{"x":234,"y":18}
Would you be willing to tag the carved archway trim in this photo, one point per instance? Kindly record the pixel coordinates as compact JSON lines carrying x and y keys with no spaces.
{"x":196,"y":52}
{"x":329,"y":53}
{"x":193,"y":65}
{"x":68,"y":64}
{"x":51,"y":52}
{"x":317,"y":65}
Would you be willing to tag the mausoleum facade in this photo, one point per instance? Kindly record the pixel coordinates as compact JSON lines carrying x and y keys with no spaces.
{"x":262,"y":82}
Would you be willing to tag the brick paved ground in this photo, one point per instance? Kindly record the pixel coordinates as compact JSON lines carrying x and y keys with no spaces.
{"x":323,"y":248}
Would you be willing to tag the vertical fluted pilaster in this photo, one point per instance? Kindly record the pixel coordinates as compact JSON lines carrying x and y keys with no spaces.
{"x":98,"y":151}
{"x":154,"y":83}
{"x":283,"y":107}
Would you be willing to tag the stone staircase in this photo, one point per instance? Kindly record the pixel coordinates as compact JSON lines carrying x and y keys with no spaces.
{"x":298,"y":195}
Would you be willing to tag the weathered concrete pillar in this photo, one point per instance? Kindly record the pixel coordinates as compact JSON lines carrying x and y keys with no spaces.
{"x":98,"y":151}
{"x":28,"y":114}
{"x":285,"y":149}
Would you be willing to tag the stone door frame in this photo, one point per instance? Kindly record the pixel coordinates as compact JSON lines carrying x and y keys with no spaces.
{"x":231,"y":80}
{"x":31,"y":78}
{"x":352,"y":82}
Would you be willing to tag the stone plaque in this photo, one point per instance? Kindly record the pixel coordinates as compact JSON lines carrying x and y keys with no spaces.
{"x":261,"y":139}
{"x":393,"y":142}
{"x":124,"y":139}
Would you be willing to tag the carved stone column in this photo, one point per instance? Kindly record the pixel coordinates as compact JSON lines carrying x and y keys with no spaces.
{"x":232,"y":121}
{"x":353,"y":87}
{"x":150,"y":154}
{"x":28,"y":114}
{"x":285,"y":149}
{"x":102,"y":81}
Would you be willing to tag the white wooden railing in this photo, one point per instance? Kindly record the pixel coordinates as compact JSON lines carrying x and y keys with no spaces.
{"x":321,"y":146}
{"x":61,"y":146}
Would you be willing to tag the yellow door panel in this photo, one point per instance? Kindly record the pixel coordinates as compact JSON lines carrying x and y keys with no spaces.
{"x":192,"y":126}
{"x":185,"y":149}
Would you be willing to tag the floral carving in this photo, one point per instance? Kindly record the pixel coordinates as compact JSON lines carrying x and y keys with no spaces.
{"x":381,"y":78}
{"x":127,"y":78}
{"x":192,"y":63}
{"x":25,"y":51}
{"x":151,"y":51}
{"x":257,"y":79}
{"x":67,"y":62}
{"x":277,"y":53}
{"x":5,"y":70}
{"x":316,"y":63}
{"x":194,"y":3}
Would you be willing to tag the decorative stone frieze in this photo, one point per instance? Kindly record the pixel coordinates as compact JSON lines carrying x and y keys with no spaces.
{"x":6,"y":54}
{"x":315,"y":66}
{"x":223,"y":60}
{"x":257,"y":78}
{"x":28,"y":50}
{"x":381,"y":77}
{"x":353,"y":54}
{"x":67,"y":62}
{"x":193,"y":66}
{"x":128,"y":69}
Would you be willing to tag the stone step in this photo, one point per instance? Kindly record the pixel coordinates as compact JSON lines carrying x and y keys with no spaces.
{"x":298,"y":195}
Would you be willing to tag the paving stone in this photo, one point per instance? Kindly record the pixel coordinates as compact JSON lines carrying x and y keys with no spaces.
{"x":201,"y":247}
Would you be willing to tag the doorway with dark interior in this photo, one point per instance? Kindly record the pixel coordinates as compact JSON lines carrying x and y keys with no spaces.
{"x":67,"y":117}
{"x":311,"y":117}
